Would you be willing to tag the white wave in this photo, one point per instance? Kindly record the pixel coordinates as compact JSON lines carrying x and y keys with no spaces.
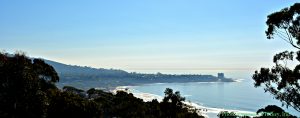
{"x":187,"y":95}
{"x":211,"y":112}
{"x":148,"y":96}
{"x":239,"y":80}
{"x":159,"y":83}
{"x":207,"y":82}
{"x":122,"y":88}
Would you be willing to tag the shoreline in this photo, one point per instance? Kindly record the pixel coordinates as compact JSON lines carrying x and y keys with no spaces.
{"x":207,"y":112}
{"x":139,"y":84}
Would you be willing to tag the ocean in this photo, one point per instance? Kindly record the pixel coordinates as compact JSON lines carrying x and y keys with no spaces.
{"x":217,"y":96}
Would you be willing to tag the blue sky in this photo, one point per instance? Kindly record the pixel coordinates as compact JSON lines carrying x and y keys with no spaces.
{"x":171,"y":36}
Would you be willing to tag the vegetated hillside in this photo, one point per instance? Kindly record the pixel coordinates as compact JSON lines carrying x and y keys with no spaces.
{"x":86,"y":77}
{"x":28,"y":91}
{"x":66,"y":70}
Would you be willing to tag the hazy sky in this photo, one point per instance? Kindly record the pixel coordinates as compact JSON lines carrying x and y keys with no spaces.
{"x":171,"y":36}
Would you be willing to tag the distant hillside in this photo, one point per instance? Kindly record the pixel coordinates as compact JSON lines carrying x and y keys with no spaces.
{"x":64,"y":69}
{"x":86,"y":77}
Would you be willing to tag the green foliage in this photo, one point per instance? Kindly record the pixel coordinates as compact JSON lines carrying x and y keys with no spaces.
{"x":272,"y":111}
{"x":27,"y":90}
{"x":23,"y":85}
{"x":281,"y":81}
{"x":70,"y":105}
{"x":226,"y":114}
{"x":285,"y":24}
{"x":174,"y":98}
{"x":126,"y":105}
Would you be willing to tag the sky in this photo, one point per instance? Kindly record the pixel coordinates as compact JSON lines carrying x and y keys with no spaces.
{"x":148,"y":36}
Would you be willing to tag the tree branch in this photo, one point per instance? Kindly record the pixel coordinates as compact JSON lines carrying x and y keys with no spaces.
{"x":291,"y":39}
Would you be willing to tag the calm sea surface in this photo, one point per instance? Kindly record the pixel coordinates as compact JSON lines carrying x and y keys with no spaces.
{"x":234,"y":95}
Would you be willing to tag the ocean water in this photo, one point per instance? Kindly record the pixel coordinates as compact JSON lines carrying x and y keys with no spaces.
{"x":233,"y":95}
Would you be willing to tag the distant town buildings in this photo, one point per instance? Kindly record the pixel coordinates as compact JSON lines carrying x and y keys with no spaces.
{"x":221,"y":75}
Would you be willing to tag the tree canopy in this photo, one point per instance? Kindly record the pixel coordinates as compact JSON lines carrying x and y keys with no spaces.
{"x":281,"y":81}
{"x":23,"y":86}
{"x":285,"y":24}
{"x":27,"y":89}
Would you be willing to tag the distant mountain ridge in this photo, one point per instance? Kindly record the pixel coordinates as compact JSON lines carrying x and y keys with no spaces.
{"x":84,"y":70}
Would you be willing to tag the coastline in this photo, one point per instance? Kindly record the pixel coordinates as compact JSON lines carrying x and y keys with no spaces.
{"x":208,"y":112}
{"x":112,"y":88}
